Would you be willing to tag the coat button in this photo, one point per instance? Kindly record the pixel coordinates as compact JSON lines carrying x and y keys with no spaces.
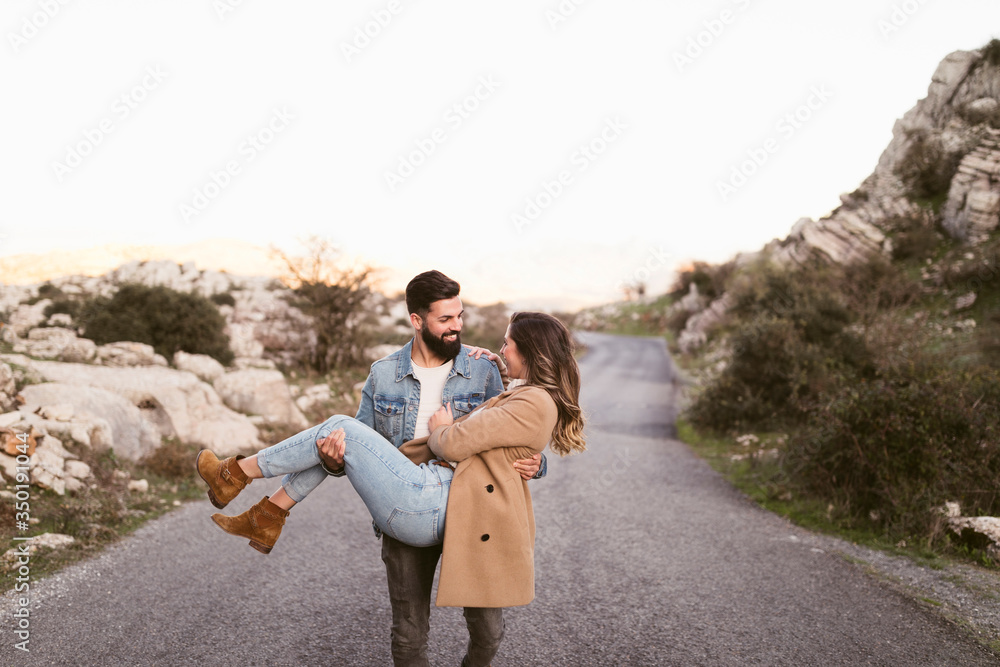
{"x":485,"y":538}
{"x":489,"y":488}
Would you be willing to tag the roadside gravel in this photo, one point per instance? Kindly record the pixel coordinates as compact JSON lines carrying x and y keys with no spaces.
{"x":964,"y":594}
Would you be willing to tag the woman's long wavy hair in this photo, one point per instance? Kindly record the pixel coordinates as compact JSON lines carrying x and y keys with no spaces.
{"x":547,"y":348}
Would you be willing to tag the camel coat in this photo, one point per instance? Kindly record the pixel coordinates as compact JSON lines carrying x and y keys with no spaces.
{"x":488,"y":558}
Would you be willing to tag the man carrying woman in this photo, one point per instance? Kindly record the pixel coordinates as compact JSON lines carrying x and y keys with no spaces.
{"x":464,"y":469}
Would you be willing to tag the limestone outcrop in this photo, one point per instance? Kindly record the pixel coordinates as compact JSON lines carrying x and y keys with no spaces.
{"x":954,"y":124}
{"x":97,"y":418}
{"x":949,"y":142}
{"x":972,"y":211}
{"x":176,"y":402}
{"x":260,"y":392}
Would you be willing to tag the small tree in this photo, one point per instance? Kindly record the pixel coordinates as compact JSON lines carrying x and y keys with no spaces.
{"x":335,"y":298}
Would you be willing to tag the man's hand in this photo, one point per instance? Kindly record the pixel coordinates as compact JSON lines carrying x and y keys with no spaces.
{"x":528,"y":468}
{"x":443,"y":417}
{"x":331,"y":449}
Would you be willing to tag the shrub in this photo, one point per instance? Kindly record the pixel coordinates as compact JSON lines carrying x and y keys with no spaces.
{"x":709,"y":279}
{"x":927,"y":167}
{"x":915,"y":241}
{"x":893,"y":449}
{"x":991,"y":52}
{"x":790,"y":342}
{"x":172,"y":460}
{"x":159,"y":316}
{"x":67,"y":306}
{"x":989,"y":339}
{"x":45,"y":291}
{"x":223,"y":299}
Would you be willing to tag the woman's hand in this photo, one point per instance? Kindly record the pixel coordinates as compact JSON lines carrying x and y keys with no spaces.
{"x":331,"y":449}
{"x":443,"y":417}
{"x":480,"y":351}
{"x":528,"y":468}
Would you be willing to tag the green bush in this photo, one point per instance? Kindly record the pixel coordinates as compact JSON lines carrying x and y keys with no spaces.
{"x":892,"y":449}
{"x":45,"y":291}
{"x":709,"y":279}
{"x":67,"y":306}
{"x":915,"y":241}
{"x":991,"y":52}
{"x":159,"y":316}
{"x":223,"y":299}
{"x":927,"y":167}
{"x":790,"y":341}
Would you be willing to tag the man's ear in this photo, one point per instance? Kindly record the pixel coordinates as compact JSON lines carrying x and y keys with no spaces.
{"x":416,"y":321}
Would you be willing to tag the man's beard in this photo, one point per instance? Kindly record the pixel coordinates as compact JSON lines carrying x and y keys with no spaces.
{"x":439,"y":346}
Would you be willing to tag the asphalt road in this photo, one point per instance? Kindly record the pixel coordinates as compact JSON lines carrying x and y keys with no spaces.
{"x":644,"y":556}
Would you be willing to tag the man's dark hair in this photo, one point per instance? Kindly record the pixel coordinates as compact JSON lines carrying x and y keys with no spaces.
{"x":426,"y":288}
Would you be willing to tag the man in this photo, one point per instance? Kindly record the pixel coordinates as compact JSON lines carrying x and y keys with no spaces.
{"x":401,"y":393}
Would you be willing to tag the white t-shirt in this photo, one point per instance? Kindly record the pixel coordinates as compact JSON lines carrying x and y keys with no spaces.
{"x":431,"y":392}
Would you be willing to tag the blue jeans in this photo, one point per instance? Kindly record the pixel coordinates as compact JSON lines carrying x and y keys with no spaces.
{"x":406,"y":501}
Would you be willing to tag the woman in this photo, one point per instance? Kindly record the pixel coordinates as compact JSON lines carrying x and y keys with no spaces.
{"x":410,"y":490}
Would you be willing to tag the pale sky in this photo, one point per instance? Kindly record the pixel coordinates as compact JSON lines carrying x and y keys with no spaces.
{"x":606,"y":128}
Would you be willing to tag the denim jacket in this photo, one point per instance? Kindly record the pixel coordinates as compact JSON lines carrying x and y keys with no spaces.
{"x":391,"y":396}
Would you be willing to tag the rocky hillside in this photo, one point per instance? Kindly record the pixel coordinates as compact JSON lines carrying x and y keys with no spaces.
{"x":64,"y":392}
{"x":941,"y":170}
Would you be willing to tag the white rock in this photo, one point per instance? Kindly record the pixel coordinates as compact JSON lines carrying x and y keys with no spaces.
{"x":128,"y":354}
{"x":8,"y":387}
{"x":60,"y":320}
{"x":313,"y":396}
{"x":52,"y":540}
{"x":49,"y":461}
{"x":139,"y":486}
{"x":45,"y":540}
{"x":176,"y":402}
{"x":25,"y":317}
{"x":965,"y":301}
{"x":8,"y":464}
{"x":202,"y":365}
{"x":260,"y":392}
{"x":106,"y":418}
{"x":77,"y":469}
{"x":48,"y":480}
{"x":61,"y":412}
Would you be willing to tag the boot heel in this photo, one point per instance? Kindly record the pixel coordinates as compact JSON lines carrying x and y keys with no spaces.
{"x":259,"y":546}
{"x":215,"y":500}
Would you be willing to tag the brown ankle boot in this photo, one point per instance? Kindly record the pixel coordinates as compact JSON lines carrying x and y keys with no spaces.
{"x":225,"y":479}
{"x":261,"y":524}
